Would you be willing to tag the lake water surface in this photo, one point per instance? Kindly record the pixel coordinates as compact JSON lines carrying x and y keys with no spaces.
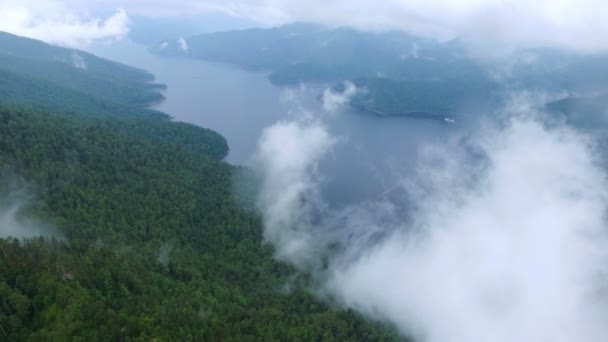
{"x":372,"y":153}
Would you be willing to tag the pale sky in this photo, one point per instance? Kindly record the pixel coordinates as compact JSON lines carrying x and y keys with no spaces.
{"x":572,"y":24}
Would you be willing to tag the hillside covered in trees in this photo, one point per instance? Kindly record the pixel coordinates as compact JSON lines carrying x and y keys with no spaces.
{"x":148,"y":241}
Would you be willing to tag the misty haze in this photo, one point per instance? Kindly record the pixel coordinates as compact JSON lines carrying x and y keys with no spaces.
{"x":260,"y":170}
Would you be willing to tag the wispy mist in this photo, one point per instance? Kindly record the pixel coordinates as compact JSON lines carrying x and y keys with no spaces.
{"x":164,"y":254}
{"x":333,"y":100}
{"x":183,"y":45}
{"x":78,"y":61}
{"x":288,"y":155}
{"x":16,"y":218}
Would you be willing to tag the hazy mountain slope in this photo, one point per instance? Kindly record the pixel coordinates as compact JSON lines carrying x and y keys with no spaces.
{"x":299,"y":52}
{"x":77,"y":70}
{"x":396,"y":72}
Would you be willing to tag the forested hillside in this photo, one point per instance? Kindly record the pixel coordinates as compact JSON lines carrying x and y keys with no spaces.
{"x":150,"y":242}
{"x":77,"y":70}
{"x":107,"y":93}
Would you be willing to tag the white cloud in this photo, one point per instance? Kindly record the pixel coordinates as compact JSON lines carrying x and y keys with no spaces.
{"x":520,"y":256}
{"x":511,"y":247}
{"x":56,"y":24}
{"x":334,"y":100}
{"x":288,"y":154}
{"x":182,"y":44}
{"x":488,"y":25}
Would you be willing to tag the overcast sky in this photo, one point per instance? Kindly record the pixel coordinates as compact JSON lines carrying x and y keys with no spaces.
{"x":572,"y":24}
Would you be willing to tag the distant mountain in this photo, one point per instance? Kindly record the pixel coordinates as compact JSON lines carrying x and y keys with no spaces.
{"x":397,"y":72}
{"x":301,"y":52}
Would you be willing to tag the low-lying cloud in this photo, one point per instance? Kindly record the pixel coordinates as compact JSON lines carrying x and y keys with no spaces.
{"x":14,"y":224}
{"x":16,"y":220}
{"x":333,"y":100}
{"x":519,"y":256}
{"x":504,"y":240}
{"x":183,"y":45}
{"x":288,"y":154}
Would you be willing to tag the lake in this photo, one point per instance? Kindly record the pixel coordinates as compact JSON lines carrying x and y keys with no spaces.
{"x":372,"y":153}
